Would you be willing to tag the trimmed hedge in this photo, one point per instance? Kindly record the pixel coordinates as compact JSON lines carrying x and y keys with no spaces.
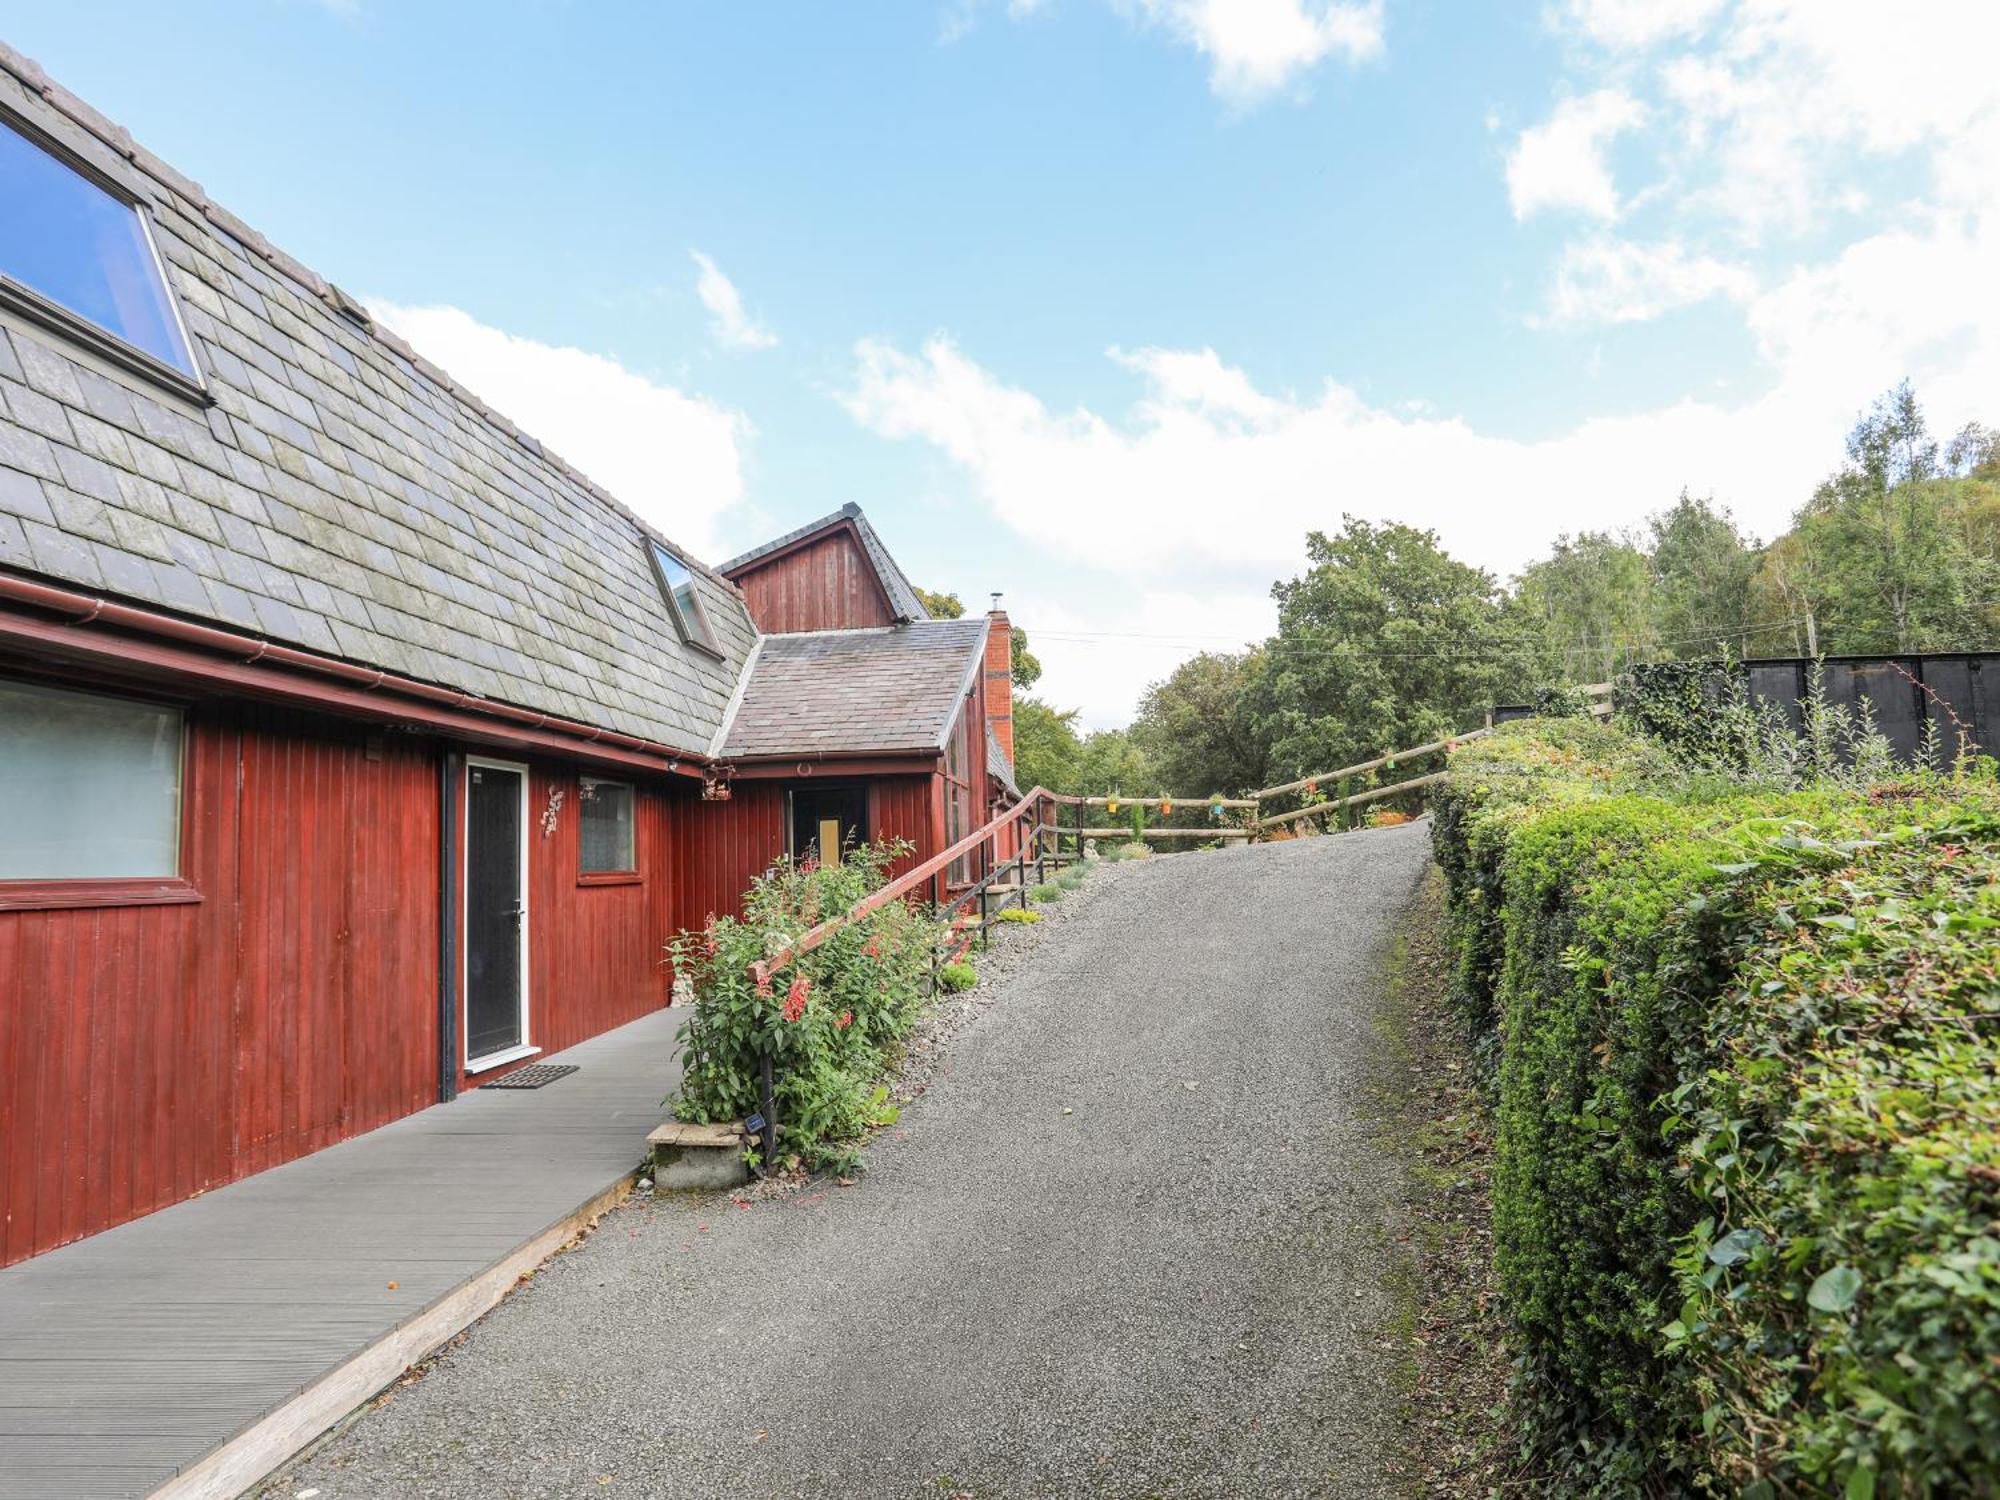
{"x":1745,"y":1053}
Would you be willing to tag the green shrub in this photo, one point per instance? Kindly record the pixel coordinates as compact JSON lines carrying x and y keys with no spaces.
{"x":1071,"y":879}
{"x":1746,"y":1086}
{"x":827,"y":1020}
{"x":1052,"y":891}
{"x":1017,"y":914}
{"x":955,"y":977}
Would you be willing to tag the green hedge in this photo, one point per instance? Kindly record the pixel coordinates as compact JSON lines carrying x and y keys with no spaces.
{"x":1745,"y":1052}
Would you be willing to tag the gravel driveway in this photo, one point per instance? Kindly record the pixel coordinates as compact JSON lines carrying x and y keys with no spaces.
{"x":1174,"y":1288}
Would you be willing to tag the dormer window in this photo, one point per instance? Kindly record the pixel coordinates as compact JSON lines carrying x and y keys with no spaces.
{"x":77,"y":254}
{"x":683,"y":603}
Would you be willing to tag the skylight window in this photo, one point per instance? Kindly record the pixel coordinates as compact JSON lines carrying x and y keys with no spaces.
{"x":77,"y":254}
{"x":683,"y":603}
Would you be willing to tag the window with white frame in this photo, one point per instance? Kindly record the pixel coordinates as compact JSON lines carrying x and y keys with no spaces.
{"x":90,"y":786}
{"x":74,"y":250}
{"x":604,"y":813}
{"x":683,"y":602}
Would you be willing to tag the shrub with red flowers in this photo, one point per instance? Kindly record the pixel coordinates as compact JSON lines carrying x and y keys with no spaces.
{"x":830,"y":1021}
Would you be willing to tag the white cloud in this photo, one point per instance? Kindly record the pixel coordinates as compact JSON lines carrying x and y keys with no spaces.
{"x":1560,"y":163}
{"x":1256,"y":47}
{"x":1629,"y":24}
{"x":1767,"y":110}
{"x":673,"y":457}
{"x":1607,"y":280}
{"x":1203,"y":488}
{"x":732,"y":326}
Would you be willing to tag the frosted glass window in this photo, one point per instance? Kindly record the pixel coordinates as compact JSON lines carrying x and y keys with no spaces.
{"x":67,"y":238}
{"x":90,"y":787}
{"x":606,"y":818}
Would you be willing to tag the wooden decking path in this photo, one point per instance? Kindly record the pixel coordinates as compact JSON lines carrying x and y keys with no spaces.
{"x":133,"y":1359}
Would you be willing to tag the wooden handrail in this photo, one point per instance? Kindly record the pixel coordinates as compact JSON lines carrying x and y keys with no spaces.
{"x":1448,"y":743}
{"x":1175,"y":801}
{"x":1356,"y":800}
{"x":902,"y":885}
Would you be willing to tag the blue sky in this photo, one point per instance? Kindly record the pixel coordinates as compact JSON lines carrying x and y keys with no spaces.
{"x":1105,"y":302}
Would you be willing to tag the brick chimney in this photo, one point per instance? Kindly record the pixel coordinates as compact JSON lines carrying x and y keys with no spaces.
{"x":1000,"y":677}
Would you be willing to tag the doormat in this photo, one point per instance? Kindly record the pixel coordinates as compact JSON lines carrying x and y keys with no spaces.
{"x":533,"y":1076}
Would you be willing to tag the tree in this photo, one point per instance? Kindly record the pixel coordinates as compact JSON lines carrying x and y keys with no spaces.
{"x":1109,"y":763}
{"x":941,"y":606}
{"x":1046,"y":747}
{"x":1702,"y":566}
{"x":1384,"y":642}
{"x":1196,"y":725}
{"x":1027,"y":666}
{"x":1592,"y":600}
{"x":1897,"y":538}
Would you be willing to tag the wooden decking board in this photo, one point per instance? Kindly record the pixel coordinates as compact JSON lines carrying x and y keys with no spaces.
{"x":132,"y":1356}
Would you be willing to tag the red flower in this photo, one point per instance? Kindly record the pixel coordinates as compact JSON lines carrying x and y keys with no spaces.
{"x":795,"y":998}
{"x":846,"y":1020}
{"x":764,"y":986}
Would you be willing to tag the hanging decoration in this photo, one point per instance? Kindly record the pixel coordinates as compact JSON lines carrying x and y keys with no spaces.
{"x":1111,"y":806}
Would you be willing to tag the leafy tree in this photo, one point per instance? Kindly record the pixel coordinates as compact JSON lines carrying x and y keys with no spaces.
{"x":1702,"y":566}
{"x":941,"y":606}
{"x":1046,"y":746}
{"x":1592,"y":599}
{"x":1897,"y":537}
{"x":1197,"y":727}
{"x":1384,"y":642}
{"x":1108,"y":762}
{"x":1027,"y":666}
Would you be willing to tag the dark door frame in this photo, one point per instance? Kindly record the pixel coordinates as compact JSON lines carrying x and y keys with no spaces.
{"x":525,"y":1046}
{"x":862,"y":789}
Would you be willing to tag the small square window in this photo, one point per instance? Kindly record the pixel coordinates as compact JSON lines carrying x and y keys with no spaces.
{"x":606,"y":847}
{"x":683,"y":603}
{"x":75,"y":251}
{"x":90,"y":786}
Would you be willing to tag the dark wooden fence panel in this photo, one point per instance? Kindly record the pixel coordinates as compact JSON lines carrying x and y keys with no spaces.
{"x":1905,"y":694}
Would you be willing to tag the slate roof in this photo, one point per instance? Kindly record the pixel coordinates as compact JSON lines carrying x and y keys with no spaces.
{"x":893,"y":687}
{"x":997,"y":762}
{"x":903,"y":600}
{"x":341,"y":493}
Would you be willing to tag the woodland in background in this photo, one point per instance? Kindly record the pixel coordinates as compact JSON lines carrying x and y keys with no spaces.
{"x":1386,"y":640}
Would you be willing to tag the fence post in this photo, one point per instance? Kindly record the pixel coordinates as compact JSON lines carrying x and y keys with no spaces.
{"x":770,"y":1111}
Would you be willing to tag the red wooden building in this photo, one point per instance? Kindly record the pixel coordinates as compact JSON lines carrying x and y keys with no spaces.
{"x":353,"y":748}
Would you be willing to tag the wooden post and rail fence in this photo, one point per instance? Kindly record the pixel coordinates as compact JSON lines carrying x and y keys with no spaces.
{"x":1033,"y":829}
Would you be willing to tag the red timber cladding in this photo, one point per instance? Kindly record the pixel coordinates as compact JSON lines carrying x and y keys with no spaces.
{"x":823,"y":584}
{"x":150,"y":1052}
{"x":596,"y":953}
{"x":718,"y":848}
{"x":899,"y":807}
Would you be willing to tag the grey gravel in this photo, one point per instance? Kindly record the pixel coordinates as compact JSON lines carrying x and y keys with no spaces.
{"x":1174,"y":1289}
